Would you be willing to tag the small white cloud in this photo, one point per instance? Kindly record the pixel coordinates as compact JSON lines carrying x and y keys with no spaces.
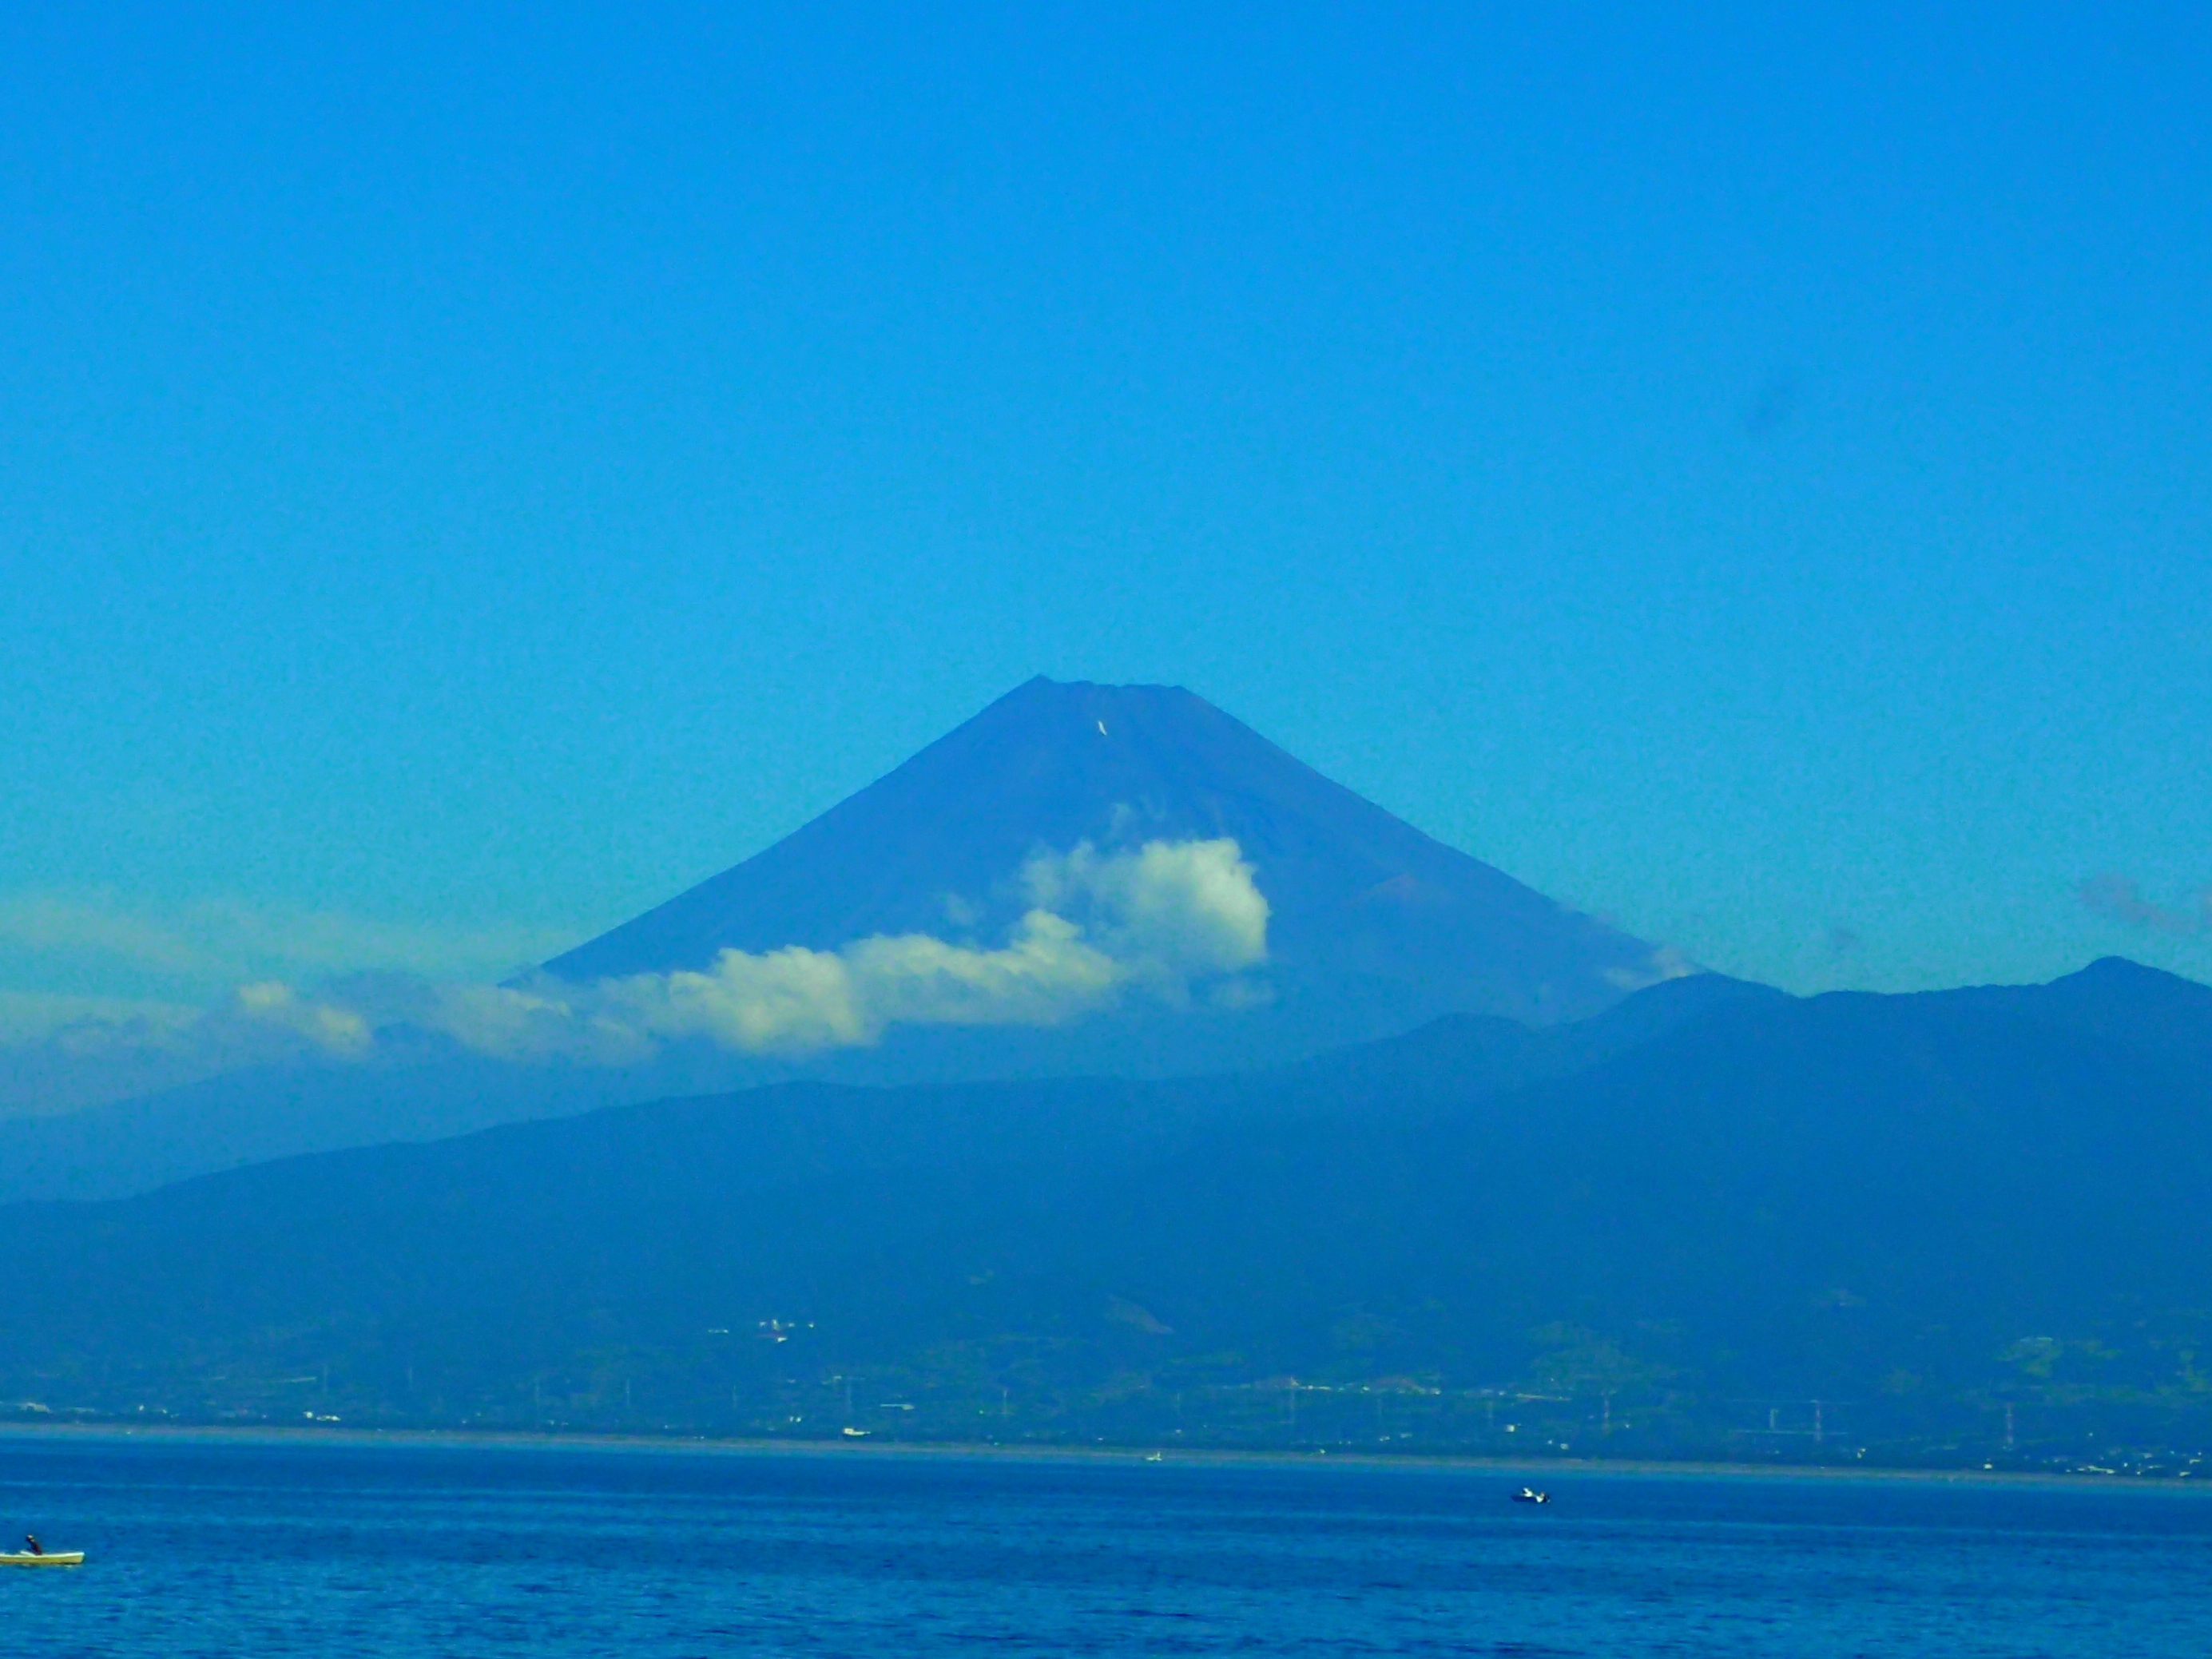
{"x":336,"y":1031}
{"x":59,"y":1053}
{"x":1662,"y":964}
{"x":789,"y":999}
{"x":1186,"y":908}
{"x":204,"y":946}
{"x":1047,"y":972}
{"x":1237,"y":995}
{"x":1155,"y":922}
{"x":1156,"y":918}
{"x":89,"y":1024}
{"x":543,"y":1020}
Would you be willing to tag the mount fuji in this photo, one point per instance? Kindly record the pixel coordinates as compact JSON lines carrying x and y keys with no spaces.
{"x":1081,"y":880}
{"x":1371,"y":926}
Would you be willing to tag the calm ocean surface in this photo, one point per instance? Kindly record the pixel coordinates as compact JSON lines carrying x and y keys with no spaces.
{"x":215,"y":1548}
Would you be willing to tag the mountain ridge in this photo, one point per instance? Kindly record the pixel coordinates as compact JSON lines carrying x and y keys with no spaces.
{"x":1921,"y":1209}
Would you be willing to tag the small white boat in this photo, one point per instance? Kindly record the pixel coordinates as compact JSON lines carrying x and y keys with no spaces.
{"x":51,"y":1558}
{"x":1530,"y":1495}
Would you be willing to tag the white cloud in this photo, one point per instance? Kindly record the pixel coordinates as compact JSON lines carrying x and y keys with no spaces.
{"x":547,"y":1020}
{"x":58,"y":1053}
{"x":1155,"y":919}
{"x":209,"y":945}
{"x":1662,"y":964}
{"x":336,"y":1030}
{"x":1187,"y":907}
{"x":87,"y":1022}
{"x":789,"y":999}
{"x":1155,"y":922}
{"x":1047,"y":972}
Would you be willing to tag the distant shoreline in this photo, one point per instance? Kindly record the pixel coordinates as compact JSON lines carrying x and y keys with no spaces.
{"x":672,"y":1445}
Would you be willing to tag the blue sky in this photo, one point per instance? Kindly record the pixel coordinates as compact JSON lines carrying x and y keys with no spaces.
{"x":466,"y":479}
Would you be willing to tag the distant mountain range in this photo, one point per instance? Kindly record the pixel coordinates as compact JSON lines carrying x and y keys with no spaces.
{"x":1363,"y":926}
{"x":1964,"y":1225}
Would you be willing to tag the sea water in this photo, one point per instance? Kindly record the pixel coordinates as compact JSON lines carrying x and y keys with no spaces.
{"x":228,"y":1547}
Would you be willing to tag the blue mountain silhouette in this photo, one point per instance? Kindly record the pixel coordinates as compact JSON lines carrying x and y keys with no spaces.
{"x":1374,"y":922}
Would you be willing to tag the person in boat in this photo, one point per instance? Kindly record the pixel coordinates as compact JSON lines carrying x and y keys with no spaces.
{"x":31,"y":1543}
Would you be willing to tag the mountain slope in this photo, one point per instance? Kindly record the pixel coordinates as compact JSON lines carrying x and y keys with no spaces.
{"x":1367,"y":911}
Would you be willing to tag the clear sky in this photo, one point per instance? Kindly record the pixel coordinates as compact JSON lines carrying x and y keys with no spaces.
{"x":465,"y":479}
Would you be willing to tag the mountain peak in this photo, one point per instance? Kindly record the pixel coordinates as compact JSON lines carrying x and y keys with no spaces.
{"x":1371,"y":926}
{"x":2125,"y":970}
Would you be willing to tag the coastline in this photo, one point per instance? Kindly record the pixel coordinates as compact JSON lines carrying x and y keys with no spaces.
{"x":672,"y":1445}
